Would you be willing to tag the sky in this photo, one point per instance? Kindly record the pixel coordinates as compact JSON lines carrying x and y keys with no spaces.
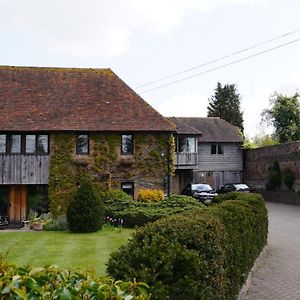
{"x":144,"y":41}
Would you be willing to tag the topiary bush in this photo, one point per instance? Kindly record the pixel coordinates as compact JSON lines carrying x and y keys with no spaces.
{"x":86,"y":212}
{"x":147,"y":195}
{"x":202,"y":254}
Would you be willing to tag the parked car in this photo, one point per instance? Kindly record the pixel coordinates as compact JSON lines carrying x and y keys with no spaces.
{"x":235,"y":187}
{"x":200,"y":191}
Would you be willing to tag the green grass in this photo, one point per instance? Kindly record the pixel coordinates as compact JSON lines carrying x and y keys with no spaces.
{"x":87,"y":251}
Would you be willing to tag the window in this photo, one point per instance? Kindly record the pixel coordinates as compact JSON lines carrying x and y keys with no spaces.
{"x":127,"y":144}
{"x":30,"y":143}
{"x":187,"y":144}
{"x":15,"y":143}
{"x":24,"y":143}
{"x":2,"y":143}
{"x":82,"y":143}
{"x":128,"y":188}
{"x":216,"y":149}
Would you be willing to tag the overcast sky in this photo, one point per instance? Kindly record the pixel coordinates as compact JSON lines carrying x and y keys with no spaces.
{"x":143,"y":41}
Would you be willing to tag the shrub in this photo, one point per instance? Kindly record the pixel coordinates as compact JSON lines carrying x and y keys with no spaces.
{"x":147,"y":195}
{"x":274,"y":177}
{"x":86,"y":212}
{"x":58,"y":224}
{"x":113,"y":194}
{"x":180,"y":257}
{"x":201,"y":254}
{"x":26,"y":282}
{"x":288,"y":177}
{"x":135,"y":213}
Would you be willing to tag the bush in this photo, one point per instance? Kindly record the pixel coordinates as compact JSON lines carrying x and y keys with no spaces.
{"x":50,"y":282}
{"x":180,"y":257}
{"x":203,"y":254}
{"x":274,"y":177}
{"x":288,"y":177}
{"x":58,"y":224}
{"x":135,"y":213}
{"x":147,"y":195}
{"x":113,"y":194}
{"x":86,"y":212}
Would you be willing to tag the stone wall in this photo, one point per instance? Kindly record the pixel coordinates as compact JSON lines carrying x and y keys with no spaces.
{"x":257,"y":162}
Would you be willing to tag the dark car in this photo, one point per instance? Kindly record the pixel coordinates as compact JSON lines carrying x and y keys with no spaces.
{"x":201,"y":191}
{"x":235,"y":187}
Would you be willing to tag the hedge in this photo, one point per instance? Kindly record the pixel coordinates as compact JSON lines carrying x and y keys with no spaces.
{"x":135,"y":213}
{"x":26,"y":282}
{"x":205,"y":254}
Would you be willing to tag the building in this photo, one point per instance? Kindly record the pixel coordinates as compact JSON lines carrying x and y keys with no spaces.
{"x":207,"y":150}
{"x":60,"y":125}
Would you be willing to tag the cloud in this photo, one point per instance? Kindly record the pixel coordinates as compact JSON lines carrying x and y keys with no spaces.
{"x":184,"y":105}
{"x":99,"y":28}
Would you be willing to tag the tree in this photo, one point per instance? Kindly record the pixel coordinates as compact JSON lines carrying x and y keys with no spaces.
{"x":284,"y":115}
{"x":225,"y":103}
{"x":260,"y":141}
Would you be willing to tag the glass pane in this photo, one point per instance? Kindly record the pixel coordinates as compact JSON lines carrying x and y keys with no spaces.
{"x":127,"y":144}
{"x":82,"y":144}
{"x":220,"y":149}
{"x":2,"y":143}
{"x":15,"y":143}
{"x":42,"y":145}
{"x":213,"y":149}
{"x":30,"y":143}
{"x":182,"y":144}
{"x":128,"y":188}
{"x":191,"y":144}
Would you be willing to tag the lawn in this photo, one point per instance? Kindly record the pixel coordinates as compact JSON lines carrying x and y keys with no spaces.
{"x":88,"y":251}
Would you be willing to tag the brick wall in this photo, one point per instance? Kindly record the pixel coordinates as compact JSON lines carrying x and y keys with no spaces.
{"x":257,"y":162}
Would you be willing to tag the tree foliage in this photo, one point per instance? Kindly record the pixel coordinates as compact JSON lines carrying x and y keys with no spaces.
{"x":284,"y":115}
{"x":225,"y":103}
{"x":260,"y":141}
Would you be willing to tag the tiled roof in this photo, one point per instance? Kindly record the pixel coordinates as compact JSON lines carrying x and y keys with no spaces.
{"x":182,"y":127}
{"x":50,"y":99}
{"x":213,"y":129}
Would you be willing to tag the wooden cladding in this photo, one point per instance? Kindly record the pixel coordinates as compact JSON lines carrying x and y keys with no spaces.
{"x":24,"y":169}
{"x":17,"y":203}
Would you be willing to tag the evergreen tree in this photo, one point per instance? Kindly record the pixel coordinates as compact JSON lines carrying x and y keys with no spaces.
{"x":225,"y":103}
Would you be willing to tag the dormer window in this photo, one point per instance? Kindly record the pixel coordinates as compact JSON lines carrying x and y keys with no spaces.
{"x":82,"y":144}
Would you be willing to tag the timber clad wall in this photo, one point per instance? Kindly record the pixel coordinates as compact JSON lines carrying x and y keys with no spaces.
{"x":257,"y":162}
{"x":231,"y":160}
{"x":24,"y":169}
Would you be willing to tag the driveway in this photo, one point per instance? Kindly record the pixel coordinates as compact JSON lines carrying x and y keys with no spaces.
{"x":277,"y":272}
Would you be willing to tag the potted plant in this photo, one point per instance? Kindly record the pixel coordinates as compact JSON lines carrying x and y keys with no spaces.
{"x":37,"y":224}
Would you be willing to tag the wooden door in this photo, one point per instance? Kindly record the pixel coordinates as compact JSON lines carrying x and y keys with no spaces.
{"x":17,"y":203}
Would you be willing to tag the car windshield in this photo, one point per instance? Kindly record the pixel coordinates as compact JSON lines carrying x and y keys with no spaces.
{"x":241,"y":186}
{"x":201,"y":187}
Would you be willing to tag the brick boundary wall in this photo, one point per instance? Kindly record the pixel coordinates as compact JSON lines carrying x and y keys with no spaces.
{"x":257,"y":162}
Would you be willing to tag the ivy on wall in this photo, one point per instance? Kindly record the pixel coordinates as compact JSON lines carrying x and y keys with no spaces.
{"x":105,"y":165}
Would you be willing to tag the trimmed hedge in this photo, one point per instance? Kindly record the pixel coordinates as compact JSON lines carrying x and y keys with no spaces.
{"x":135,"y":213}
{"x":26,"y":282}
{"x":205,"y":254}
